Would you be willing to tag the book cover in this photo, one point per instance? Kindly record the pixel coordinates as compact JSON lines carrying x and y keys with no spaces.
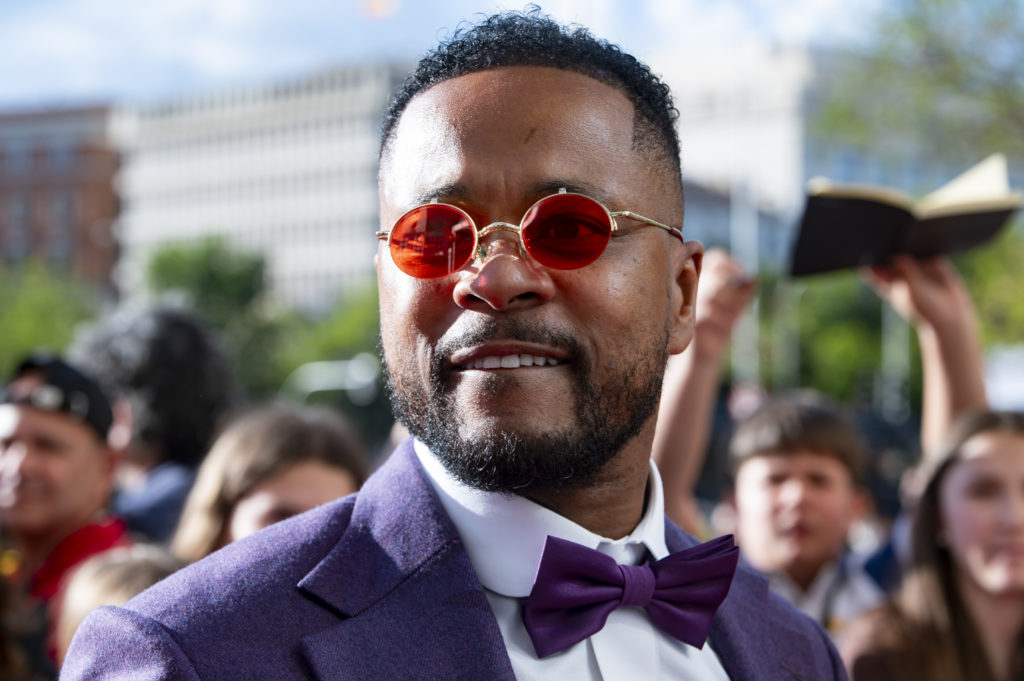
{"x":854,"y":225}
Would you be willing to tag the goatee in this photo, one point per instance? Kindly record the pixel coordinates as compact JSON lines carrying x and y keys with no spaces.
{"x":607,"y":416}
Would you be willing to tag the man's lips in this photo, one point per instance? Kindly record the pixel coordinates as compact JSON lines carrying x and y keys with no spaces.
{"x":795,"y":530}
{"x":506,"y":356}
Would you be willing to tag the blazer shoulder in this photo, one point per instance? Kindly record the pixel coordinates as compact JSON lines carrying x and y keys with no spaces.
{"x":758,"y":630}
{"x":265,"y":565}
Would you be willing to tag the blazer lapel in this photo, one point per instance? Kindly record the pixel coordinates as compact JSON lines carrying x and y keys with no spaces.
{"x":749,"y":644}
{"x":413,"y":605}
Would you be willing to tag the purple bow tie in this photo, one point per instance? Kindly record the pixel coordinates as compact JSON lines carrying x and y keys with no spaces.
{"x":577,"y":588}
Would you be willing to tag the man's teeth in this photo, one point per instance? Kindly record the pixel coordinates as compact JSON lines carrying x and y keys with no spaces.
{"x":511,"y":362}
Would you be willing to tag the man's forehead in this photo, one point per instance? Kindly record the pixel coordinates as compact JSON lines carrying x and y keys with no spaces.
{"x":26,"y":382}
{"x":535,"y":117}
{"x":801,"y":459}
{"x":524,"y":90}
{"x":26,"y":421}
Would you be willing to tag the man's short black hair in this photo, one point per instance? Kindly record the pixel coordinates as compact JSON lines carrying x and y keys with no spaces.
{"x":534,"y":39}
{"x":171,"y":370}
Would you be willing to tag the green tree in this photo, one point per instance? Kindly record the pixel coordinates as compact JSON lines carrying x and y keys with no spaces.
{"x":992,"y":275}
{"x":221,"y":282}
{"x":39,"y":308}
{"x":941,"y":79}
{"x":833,"y":321}
{"x":350,"y":328}
{"x":227,"y":288}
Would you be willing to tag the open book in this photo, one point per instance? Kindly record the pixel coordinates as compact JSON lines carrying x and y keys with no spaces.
{"x":851,"y":225}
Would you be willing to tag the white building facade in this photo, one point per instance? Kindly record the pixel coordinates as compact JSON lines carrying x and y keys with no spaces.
{"x":287,"y":170}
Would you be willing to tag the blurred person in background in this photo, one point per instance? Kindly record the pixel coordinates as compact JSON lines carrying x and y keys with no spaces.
{"x":172,"y":387}
{"x":798,"y":463}
{"x":269,"y":464}
{"x":685,"y":410}
{"x":110,"y":578}
{"x":56,"y":478}
{"x":930,"y":295}
{"x":959,"y":614}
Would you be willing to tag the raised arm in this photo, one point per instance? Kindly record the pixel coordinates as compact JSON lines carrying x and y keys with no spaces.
{"x":691,"y":385}
{"x":932,"y":297}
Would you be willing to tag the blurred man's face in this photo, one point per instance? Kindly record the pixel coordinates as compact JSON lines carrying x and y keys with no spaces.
{"x":55,"y":473}
{"x":521,"y":376}
{"x":794,"y":512}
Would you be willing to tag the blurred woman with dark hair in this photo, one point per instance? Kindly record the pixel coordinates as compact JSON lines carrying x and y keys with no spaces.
{"x":959,"y":615}
{"x":271,"y":463}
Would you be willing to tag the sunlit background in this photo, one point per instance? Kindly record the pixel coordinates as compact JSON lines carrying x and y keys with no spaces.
{"x":222,"y":153}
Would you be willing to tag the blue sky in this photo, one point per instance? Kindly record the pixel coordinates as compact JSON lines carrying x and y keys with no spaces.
{"x":67,"y":51}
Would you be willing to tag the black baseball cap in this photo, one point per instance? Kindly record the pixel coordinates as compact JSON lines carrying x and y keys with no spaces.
{"x":63,"y":389}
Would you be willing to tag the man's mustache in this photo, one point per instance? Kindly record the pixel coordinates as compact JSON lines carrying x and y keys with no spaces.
{"x":507,"y":329}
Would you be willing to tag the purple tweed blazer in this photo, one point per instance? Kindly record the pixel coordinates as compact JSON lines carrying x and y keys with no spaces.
{"x":378,"y":586}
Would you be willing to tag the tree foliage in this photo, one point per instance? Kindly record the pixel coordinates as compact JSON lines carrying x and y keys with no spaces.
{"x":39,"y":308}
{"x":221,"y":282}
{"x":941,"y":79}
{"x":226,"y":287}
{"x":993,"y":276}
{"x":350,"y":328}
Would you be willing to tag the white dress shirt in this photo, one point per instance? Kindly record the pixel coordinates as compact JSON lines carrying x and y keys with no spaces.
{"x":839,"y":594}
{"x":504,"y":536}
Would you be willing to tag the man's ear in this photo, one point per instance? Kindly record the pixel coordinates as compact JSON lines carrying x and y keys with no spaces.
{"x":686,"y":266}
{"x":120,"y":435}
{"x":862,"y":505}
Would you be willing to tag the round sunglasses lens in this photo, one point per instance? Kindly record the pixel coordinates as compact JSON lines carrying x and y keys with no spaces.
{"x":432,"y":241}
{"x":566,"y":231}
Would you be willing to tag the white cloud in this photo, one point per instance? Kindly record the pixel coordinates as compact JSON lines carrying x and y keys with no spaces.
{"x":59,"y":49}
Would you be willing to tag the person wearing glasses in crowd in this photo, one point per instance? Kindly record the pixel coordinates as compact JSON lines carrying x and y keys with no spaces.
{"x":56,"y":478}
{"x":533,"y":279}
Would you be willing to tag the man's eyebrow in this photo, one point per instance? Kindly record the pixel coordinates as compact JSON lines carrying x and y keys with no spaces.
{"x":459,"y":190}
{"x":552,"y":186}
{"x":444,"y":192}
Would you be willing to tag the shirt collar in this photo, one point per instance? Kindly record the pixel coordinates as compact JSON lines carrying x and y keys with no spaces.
{"x":504,"y":534}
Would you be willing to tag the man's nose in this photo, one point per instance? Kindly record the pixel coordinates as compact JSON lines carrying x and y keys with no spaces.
{"x":793,"y":492}
{"x":1013,"y":508}
{"x":503,"y":277}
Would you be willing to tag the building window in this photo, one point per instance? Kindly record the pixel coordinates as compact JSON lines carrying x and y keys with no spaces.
{"x":18,"y":157}
{"x":61,"y":155}
{"x":17,"y":241}
{"x":60,"y":232}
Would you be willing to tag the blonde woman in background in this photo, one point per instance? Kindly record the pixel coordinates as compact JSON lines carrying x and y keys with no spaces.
{"x":109,"y":578}
{"x":269,"y":464}
{"x":959,"y":615}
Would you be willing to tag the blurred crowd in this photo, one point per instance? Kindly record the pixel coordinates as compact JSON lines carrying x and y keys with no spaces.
{"x":134,"y":455}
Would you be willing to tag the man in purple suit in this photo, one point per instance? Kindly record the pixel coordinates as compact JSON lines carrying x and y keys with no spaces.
{"x":533,"y":280}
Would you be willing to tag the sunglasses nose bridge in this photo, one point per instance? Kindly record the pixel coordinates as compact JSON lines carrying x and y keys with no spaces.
{"x":482,"y":246}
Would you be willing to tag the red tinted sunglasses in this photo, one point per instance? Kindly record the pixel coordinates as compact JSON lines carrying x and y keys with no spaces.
{"x":563,"y":231}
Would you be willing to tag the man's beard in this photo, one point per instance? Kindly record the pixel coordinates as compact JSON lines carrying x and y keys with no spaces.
{"x":607,"y":416}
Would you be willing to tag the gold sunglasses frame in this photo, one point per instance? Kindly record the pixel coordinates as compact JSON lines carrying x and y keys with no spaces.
{"x":480,"y":251}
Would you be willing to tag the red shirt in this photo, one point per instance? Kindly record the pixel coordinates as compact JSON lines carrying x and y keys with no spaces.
{"x":76,"y":547}
{"x":83,"y":543}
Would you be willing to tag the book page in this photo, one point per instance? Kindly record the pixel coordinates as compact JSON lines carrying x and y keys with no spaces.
{"x":985,"y":182}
